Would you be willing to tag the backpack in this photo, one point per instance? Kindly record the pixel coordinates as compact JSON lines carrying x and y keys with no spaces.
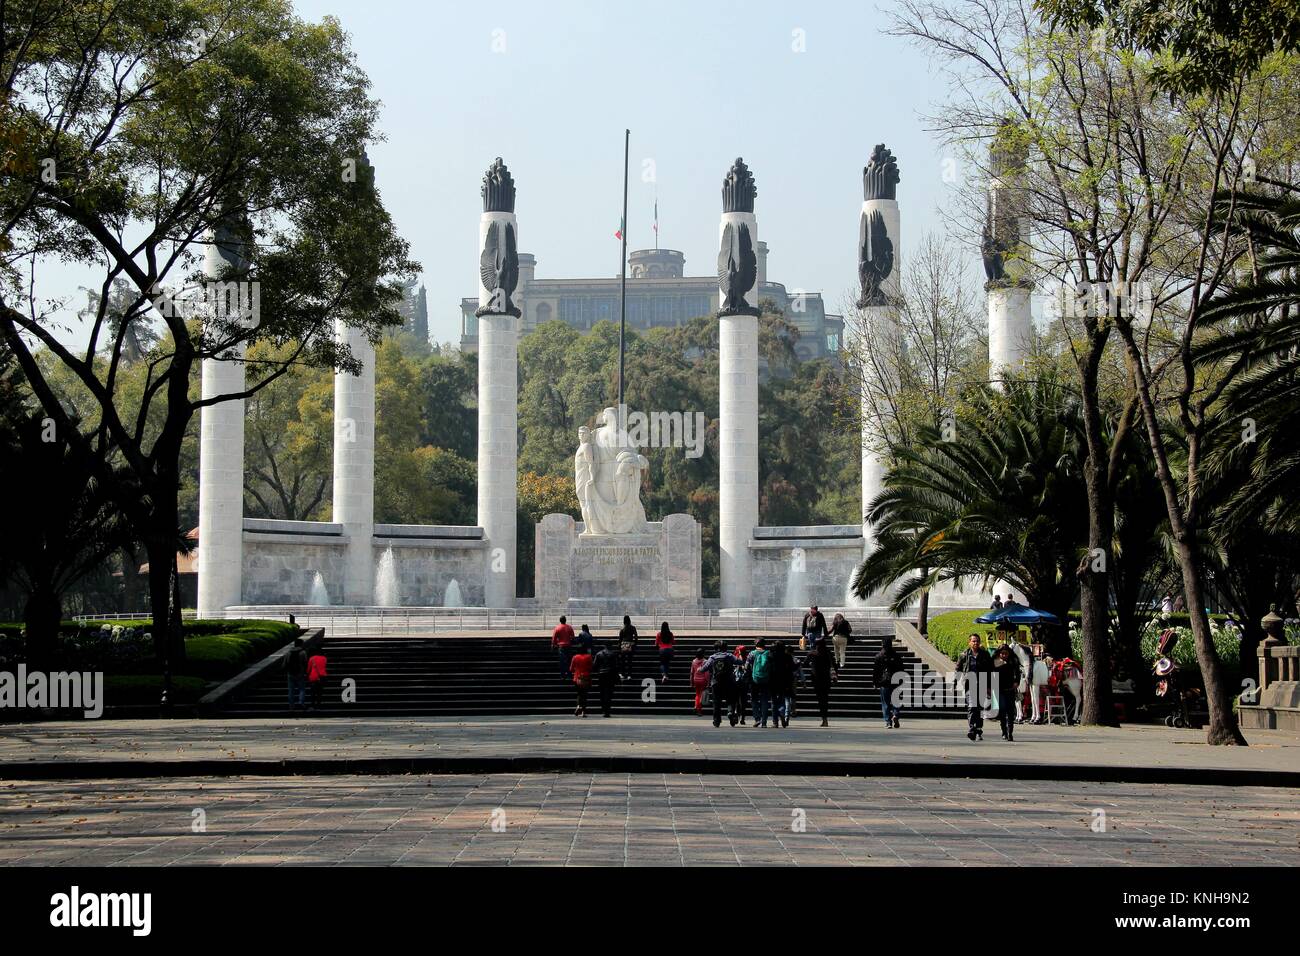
{"x":760,"y":668}
{"x":722,"y":671}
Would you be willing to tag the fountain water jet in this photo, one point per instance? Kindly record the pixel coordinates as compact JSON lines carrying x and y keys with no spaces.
{"x":451,"y":596}
{"x":796,"y":580}
{"x":387,"y":593}
{"x":320,"y":595}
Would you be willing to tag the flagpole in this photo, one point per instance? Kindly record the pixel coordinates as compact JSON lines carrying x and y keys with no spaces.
{"x":622,"y":281}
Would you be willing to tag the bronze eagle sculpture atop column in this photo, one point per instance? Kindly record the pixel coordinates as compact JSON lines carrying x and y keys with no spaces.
{"x":737,"y":269}
{"x":875,"y":261}
{"x":499,"y":270}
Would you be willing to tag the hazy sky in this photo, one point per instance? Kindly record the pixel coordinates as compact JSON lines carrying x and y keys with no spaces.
{"x":801,"y":90}
{"x":698,"y":84}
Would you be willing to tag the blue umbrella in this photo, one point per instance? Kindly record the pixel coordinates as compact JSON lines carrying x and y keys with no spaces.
{"x":1016,"y":614}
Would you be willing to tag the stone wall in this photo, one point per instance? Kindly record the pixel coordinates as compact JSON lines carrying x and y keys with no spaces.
{"x":281,"y":558}
{"x":798,"y":566}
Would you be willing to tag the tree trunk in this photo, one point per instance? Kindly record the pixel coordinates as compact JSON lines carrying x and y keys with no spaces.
{"x":1218,"y":693}
{"x":42,"y":615}
{"x":167,"y":642}
{"x":923,"y":612}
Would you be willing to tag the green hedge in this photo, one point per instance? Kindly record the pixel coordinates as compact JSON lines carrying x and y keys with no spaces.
{"x":214,"y":650}
{"x":950,"y":631}
{"x":126,"y":689}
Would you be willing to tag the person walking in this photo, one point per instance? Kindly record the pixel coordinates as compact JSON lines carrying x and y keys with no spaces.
{"x":722,"y":668}
{"x":664,"y":641}
{"x":699,"y":680}
{"x":1007,"y":667}
{"x":316,"y":675}
{"x":580,"y":667}
{"x":562,"y":641}
{"x":975,"y":666}
{"x":782,"y":685}
{"x":626,"y":647}
{"x":584,"y":642}
{"x":888,"y":663}
{"x":295,"y":668}
{"x":759,"y":666}
{"x":743,"y":683}
{"x":605,"y":666}
{"x":813,"y":628}
{"x":841,"y":633}
{"x":821,"y":662}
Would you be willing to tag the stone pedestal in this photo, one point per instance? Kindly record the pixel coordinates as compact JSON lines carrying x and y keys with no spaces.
{"x":618,"y":573}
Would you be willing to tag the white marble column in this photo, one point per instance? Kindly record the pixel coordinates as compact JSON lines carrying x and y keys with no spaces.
{"x":1011,"y":327}
{"x":738,"y":438}
{"x":221,"y":466}
{"x":882,"y":333}
{"x":498,"y":424}
{"x":354,"y":466}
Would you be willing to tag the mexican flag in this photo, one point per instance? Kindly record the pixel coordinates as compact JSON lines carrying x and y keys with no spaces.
{"x":618,"y":233}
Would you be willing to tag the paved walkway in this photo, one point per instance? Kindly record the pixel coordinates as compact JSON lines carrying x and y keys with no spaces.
{"x":641,"y":819}
{"x":384,"y":745}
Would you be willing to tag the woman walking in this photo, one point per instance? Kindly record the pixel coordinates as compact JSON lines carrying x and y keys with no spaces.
{"x":626,"y":647}
{"x":841,"y":630}
{"x":824,"y":670}
{"x":1007,"y":666}
{"x":664,"y":640}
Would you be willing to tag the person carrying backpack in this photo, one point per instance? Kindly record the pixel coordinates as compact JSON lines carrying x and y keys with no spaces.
{"x":841,"y":632}
{"x":626,"y":647}
{"x":295,"y":667}
{"x":722,"y":667}
{"x":759,"y":666}
{"x":782,"y":684}
{"x":813,"y":628}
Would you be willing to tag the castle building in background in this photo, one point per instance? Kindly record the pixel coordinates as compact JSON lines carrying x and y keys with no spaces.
{"x":659,"y":293}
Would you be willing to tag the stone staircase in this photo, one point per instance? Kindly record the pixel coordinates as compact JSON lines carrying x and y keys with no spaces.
{"x":519,"y":676}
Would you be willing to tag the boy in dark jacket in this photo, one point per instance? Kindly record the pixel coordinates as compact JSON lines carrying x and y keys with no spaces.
{"x":782,"y":684}
{"x":887,"y":664}
{"x":295,"y":667}
{"x":606,"y":669}
{"x":722,"y":668}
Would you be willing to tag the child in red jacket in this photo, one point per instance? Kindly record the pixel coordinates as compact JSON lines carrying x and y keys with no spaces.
{"x":316,"y":677}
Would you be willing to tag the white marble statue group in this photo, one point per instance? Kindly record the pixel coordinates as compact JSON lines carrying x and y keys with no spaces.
{"x":607,"y":476}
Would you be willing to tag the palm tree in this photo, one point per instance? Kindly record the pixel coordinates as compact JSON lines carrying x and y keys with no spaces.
{"x":1000,"y":497}
{"x":1256,"y":329}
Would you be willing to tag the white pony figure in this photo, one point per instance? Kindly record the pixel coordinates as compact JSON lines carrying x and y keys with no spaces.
{"x":1074,"y":682}
{"x":1038,"y":686}
{"x":1026,"y":674}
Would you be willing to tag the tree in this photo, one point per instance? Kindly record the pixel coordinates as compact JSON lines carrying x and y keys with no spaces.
{"x":993,"y":497}
{"x":136,"y":136}
{"x":1203,"y":45}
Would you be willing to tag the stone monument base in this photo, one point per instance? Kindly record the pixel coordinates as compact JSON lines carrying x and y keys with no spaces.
{"x":618,"y":573}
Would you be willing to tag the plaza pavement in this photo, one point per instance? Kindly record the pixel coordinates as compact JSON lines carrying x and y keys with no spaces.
{"x":104,"y":749}
{"x":641,"y":819}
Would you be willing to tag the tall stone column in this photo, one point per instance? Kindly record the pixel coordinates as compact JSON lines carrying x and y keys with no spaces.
{"x":354,"y":465}
{"x":737,"y":385}
{"x":498,"y":383}
{"x":1006,"y":257}
{"x":879,"y":247}
{"x":221,"y":447}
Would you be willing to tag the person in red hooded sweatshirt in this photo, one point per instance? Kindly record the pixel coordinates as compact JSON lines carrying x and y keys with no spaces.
{"x":580,"y":666}
{"x":316,"y":676}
